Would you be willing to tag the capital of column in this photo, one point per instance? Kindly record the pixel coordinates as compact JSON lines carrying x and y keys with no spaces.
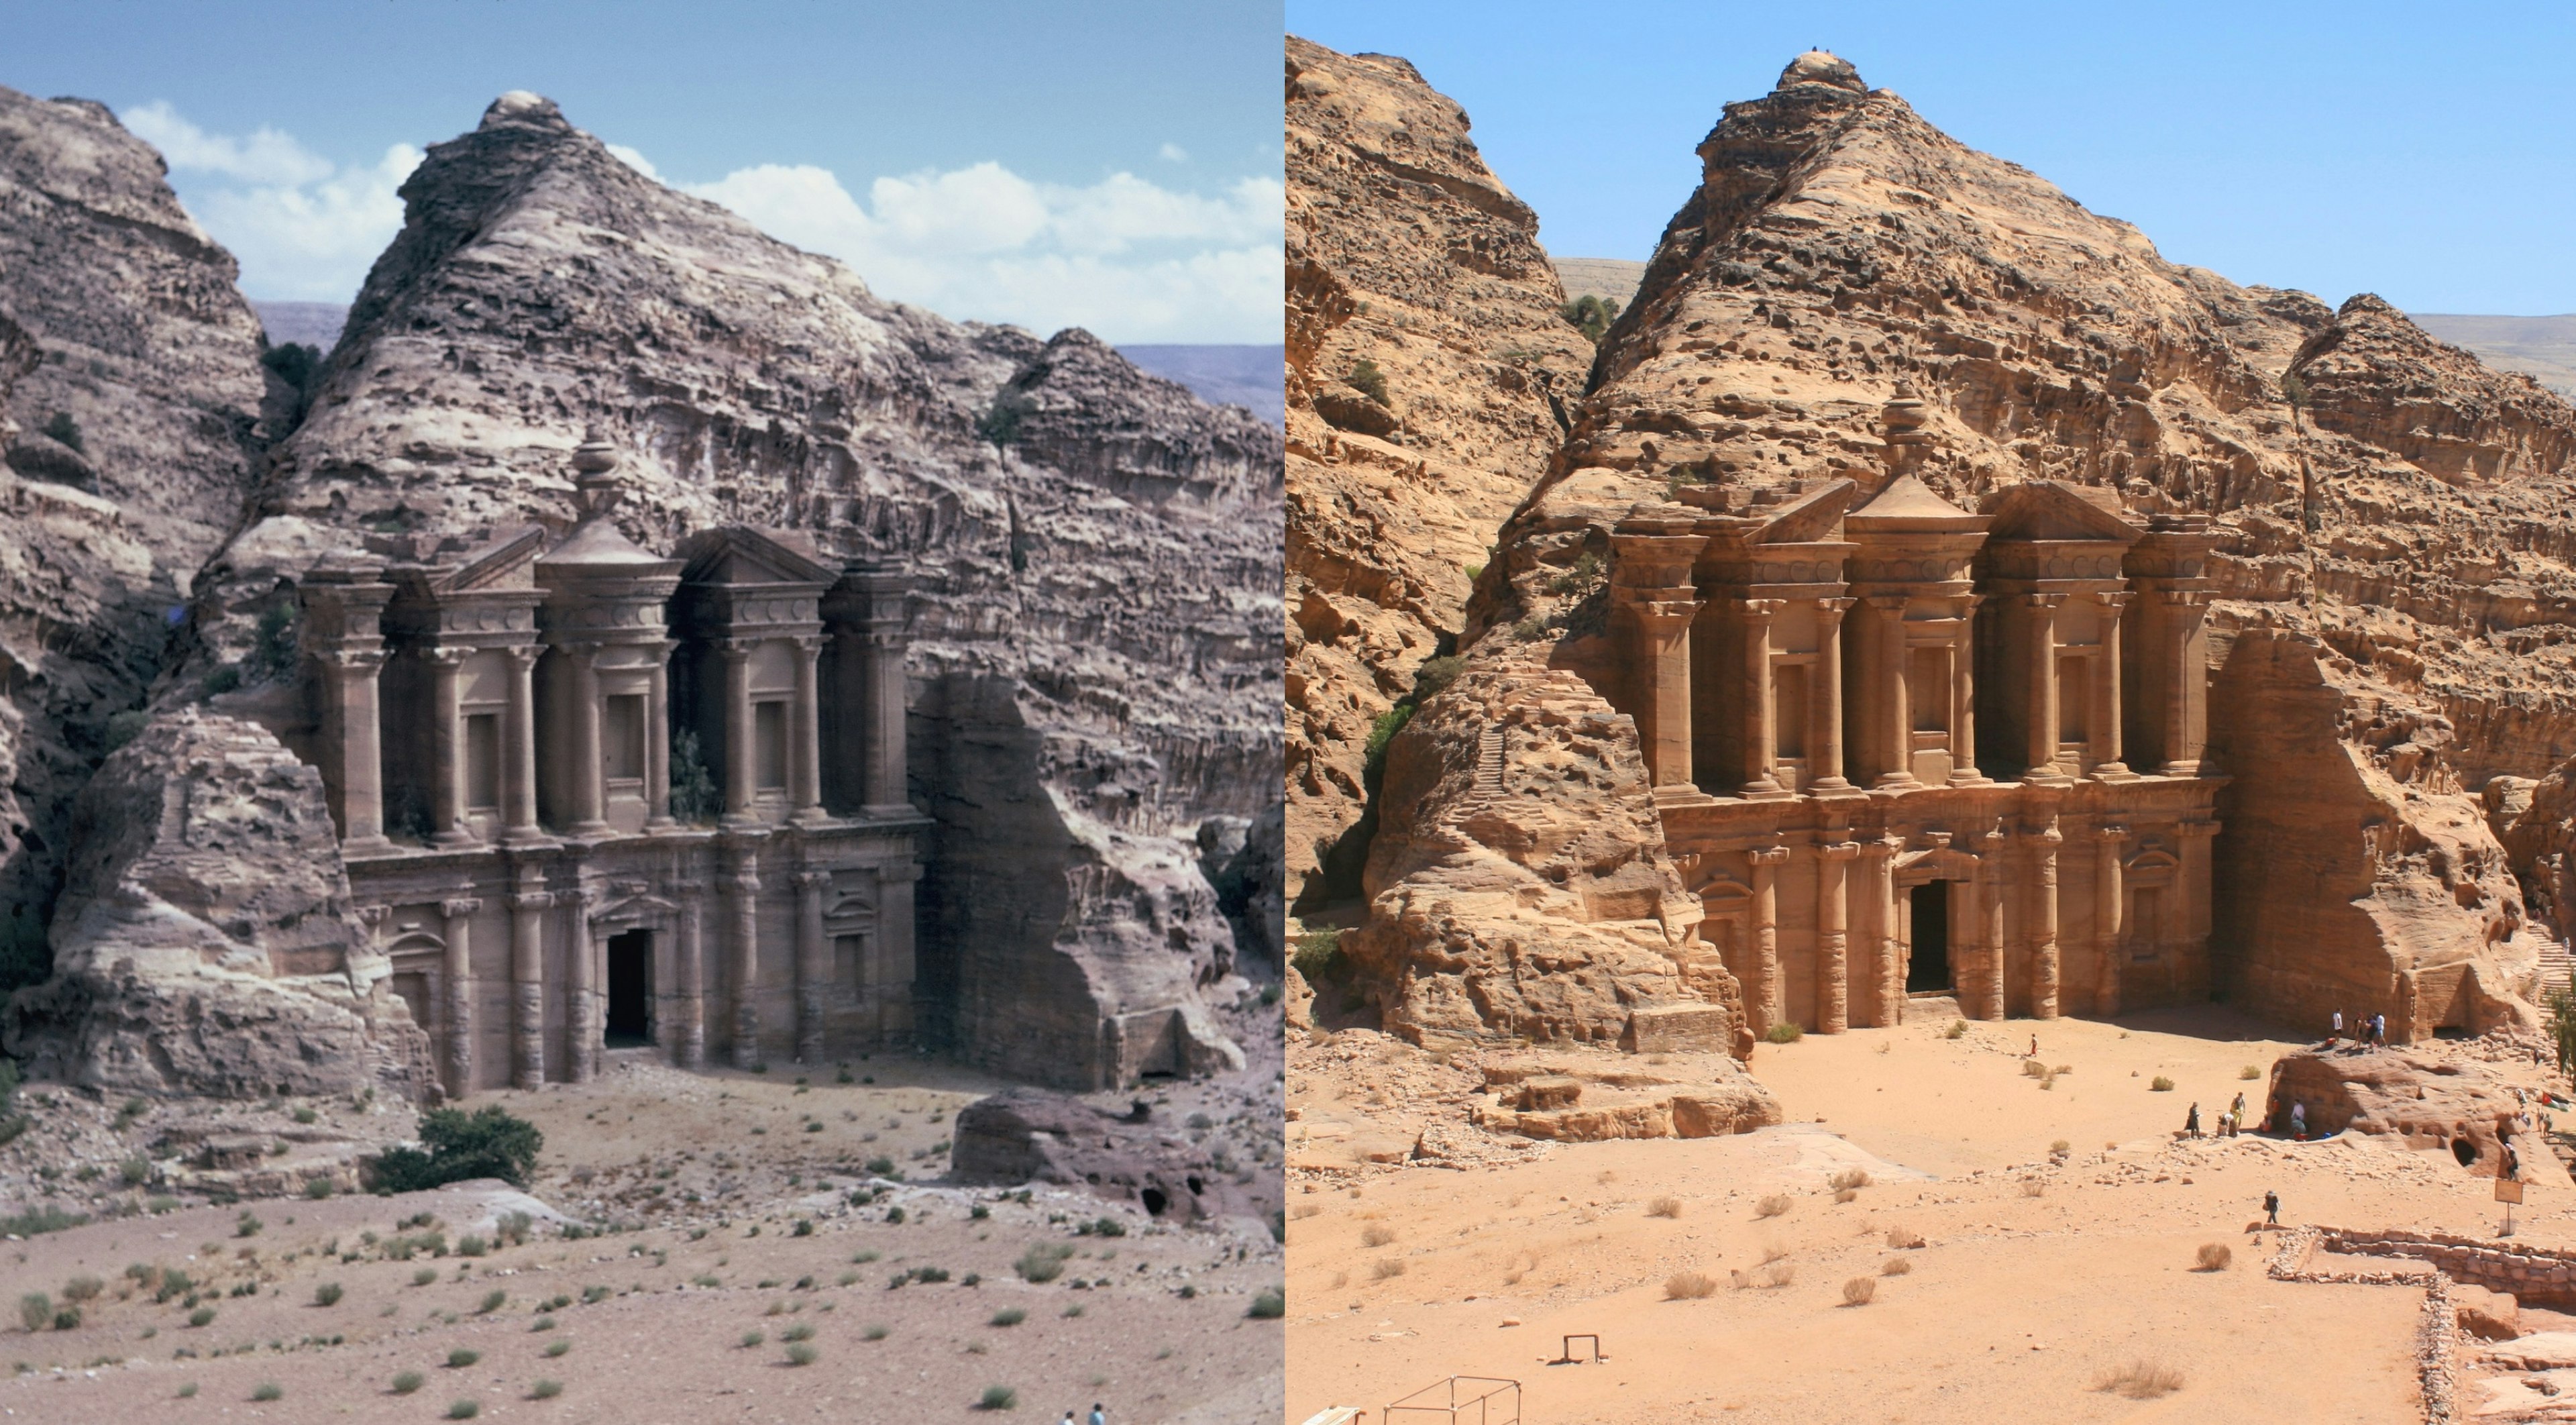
{"x":374,"y":915}
{"x":350,"y":662}
{"x":747,"y":885}
{"x":1886,"y":846}
{"x":1991,"y":839}
{"x":1768,"y":855}
{"x":1838,"y":850}
{"x":2047,"y":835}
{"x":524,"y":655}
{"x":689,"y":888}
{"x":459,"y":908}
{"x":1665,"y":616}
{"x":1759,"y":610}
{"x":809,"y":644}
{"x":2111,"y":834}
{"x":1832,"y":610}
{"x":2182,"y":598}
{"x":2197,"y":830}
{"x":2113,"y":600}
{"x":1888,"y":603}
{"x":532,"y":900}
{"x":446,"y":656}
{"x":736,"y":650}
{"x":811,"y":880}
{"x":2044,"y":601}
{"x":1967,"y":604}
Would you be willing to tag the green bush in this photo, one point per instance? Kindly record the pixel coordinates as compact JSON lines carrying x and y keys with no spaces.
{"x":83,"y":1288}
{"x":802,"y":1354}
{"x":1784,"y":1032}
{"x":548,"y":1389}
{"x":1318,"y":954}
{"x":1042,"y":1262}
{"x":460,"y":1358}
{"x":66,"y":430}
{"x":1009,"y":1316}
{"x":1382,"y":732}
{"x":327,"y":1294}
{"x":202,"y":1316}
{"x":1268,"y":1306}
{"x":317,"y":1188}
{"x":1366,"y":379}
{"x":486,"y":1143}
{"x":998,"y":1397}
{"x":693,"y":788}
{"x":407,"y":1382}
{"x":275,"y":652}
{"x":464,"y":1410}
{"x":1591,"y":316}
{"x":269,"y":1390}
{"x":1436,"y":674}
{"x":34,"y":1310}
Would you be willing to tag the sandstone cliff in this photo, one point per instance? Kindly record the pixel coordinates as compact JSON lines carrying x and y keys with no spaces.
{"x":130,"y":397}
{"x":1092,"y":547}
{"x":2408,"y":515}
{"x":1409,"y":258}
{"x":206,"y":943}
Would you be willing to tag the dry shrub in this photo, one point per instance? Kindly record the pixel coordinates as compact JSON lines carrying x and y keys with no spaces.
{"x":1860,"y":1291}
{"x":2032,"y":1068}
{"x":1895,"y":1267}
{"x":2060,"y":1148}
{"x":2214,"y":1257}
{"x":2140,"y":1380}
{"x":1665,"y":1206}
{"x":1374,"y":1235}
{"x":2160,"y":1084}
{"x":1385,"y":1267}
{"x":1689,"y":1286}
{"x":1740,"y":1278}
{"x":1904,"y":1238}
{"x":1772,"y":1252}
{"x":1779,"y":1273}
{"x":2249,"y":1072}
{"x":1850,"y":1178}
{"x":2033,"y":1187}
{"x":1844,"y":1195}
{"x":1772,"y":1206}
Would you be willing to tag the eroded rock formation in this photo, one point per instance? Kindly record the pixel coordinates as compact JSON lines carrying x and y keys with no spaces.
{"x":1093,"y":549}
{"x":1031,"y":1136}
{"x":206,"y":943}
{"x":130,"y":401}
{"x":2406,"y":517}
{"x":1408,"y":258}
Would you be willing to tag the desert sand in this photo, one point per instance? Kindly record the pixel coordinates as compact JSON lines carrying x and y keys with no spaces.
{"x":2040,"y":1272}
{"x":1152,"y":1323}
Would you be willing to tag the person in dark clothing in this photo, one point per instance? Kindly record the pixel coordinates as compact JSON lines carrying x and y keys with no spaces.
{"x":2271,"y":1209}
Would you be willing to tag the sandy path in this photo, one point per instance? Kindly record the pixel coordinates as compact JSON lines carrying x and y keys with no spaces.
{"x":2016,"y":1305}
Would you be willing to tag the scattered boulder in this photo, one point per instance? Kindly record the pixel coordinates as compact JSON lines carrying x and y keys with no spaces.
{"x":1582,"y":1097}
{"x":1027,"y":1135}
{"x":206,"y":943}
{"x":2465,"y":1108}
{"x":2491,"y":1315}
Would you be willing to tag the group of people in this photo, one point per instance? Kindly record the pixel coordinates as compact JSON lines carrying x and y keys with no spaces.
{"x":2371,"y":1029}
{"x":2230,"y":1123}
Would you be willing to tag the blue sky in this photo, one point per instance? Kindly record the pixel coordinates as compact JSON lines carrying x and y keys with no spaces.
{"x":2424,"y":152}
{"x":1111,"y":165}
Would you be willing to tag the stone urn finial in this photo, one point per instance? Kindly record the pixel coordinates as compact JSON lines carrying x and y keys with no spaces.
{"x":594,"y":464}
{"x":1903,"y":417}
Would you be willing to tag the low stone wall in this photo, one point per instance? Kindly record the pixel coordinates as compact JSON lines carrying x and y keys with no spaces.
{"x":2437,"y":1327}
{"x":2535,"y":1276}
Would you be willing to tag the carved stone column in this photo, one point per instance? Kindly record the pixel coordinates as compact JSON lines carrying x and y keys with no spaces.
{"x":1833,"y":972}
{"x":1766,"y":936}
{"x":1896,"y":711}
{"x":1880,"y":854}
{"x":898,"y":968}
{"x":1988,"y":913}
{"x":740,"y":769}
{"x":1761,"y":740}
{"x":657,"y":743}
{"x":519,"y":752}
{"x":885,"y":790}
{"x":2187,"y":679}
{"x":589,"y":791}
{"x":690,"y":1049}
{"x":2043,"y":686}
{"x":2193,"y":889}
{"x":2107,"y":902}
{"x":1825,"y":764}
{"x":2105,"y":723}
{"x":2043,"y":933}
{"x":805,"y":774}
{"x":813,"y":964}
{"x":459,"y":976}
{"x":581,"y":989}
{"x":354,"y":721}
{"x":528,"y":980}
{"x":1663,"y":627}
{"x":742,"y":908}
{"x":446,"y":743}
{"x":1963,"y":698}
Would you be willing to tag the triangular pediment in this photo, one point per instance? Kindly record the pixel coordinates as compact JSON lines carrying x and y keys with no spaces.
{"x":1907,"y":504}
{"x":748,"y":554}
{"x":2054,"y":510}
{"x":1813,"y":518}
{"x":506,"y":561}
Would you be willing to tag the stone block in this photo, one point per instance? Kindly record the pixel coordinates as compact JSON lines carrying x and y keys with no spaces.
{"x":1678,"y":1029}
{"x":1553,"y":1091}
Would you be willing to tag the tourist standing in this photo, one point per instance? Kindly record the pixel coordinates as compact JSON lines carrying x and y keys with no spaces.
{"x":2299,"y":1121}
{"x":2238,"y":1108}
{"x":2337,"y":1031}
{"x":2191,"y":1123}
{"x":2272,"y":1209}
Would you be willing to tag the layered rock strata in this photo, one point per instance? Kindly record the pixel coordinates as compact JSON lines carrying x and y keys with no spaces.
{"x":2405,"y":516}
{"x":1093,"y":550}
{"x":130,"y":420}
{"x":206,"y":943}
{"x":1428,"y":375}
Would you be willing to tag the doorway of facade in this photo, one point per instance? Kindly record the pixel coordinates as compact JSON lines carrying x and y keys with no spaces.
{"x":630,"y":989}
{"x":1928,"y":972}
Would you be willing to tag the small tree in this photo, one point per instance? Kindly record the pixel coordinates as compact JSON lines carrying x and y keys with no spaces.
{"x":1591,"y":316}
{"x":66,"y":430}
{"x":487,"y":1143}
{"x":2562,"y":1026}
{"x":693,"y":788}
{"x":1366,"y":379}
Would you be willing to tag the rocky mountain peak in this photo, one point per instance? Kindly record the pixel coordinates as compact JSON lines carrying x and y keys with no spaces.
{"x":519,"y":107}
{"x":1820,"y":67}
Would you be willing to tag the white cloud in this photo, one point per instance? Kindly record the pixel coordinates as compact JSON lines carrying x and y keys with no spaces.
{"x":303,"y":228}
{"x":1174,"y":153}
{"x":267,"y":156}
{"x":1127,"y":258}
{"x":1124,"y":257}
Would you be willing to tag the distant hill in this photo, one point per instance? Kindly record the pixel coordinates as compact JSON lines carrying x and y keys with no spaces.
{"x":2542,"y":348}
{"x":1219,"y":375}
